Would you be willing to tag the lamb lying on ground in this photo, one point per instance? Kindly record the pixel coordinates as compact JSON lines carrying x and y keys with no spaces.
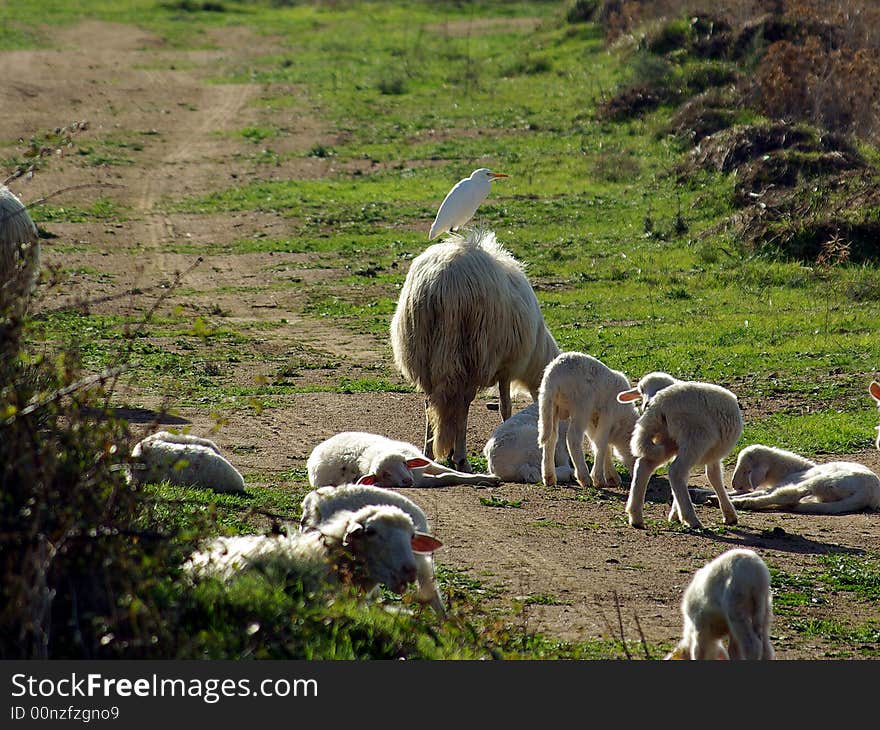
{"x":583,"y":390}
{"x":784,"y":480}
{"x":513,"y":453}
{"x":347,"y":456}
{"x":185,"y":460}
{"x":367,"y":547}
{"x":728,"y":598}
{"x":321,"y":505}
{"x":697,"y":424}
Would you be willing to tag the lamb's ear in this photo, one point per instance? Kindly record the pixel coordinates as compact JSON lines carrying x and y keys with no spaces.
{"x":424,"y":543}
{"x":628,"y":396}
{"x":757,"y":476}
{"x":354,"y":530}
{"x":874,"y":389}
{"x":417,"y":463}
{"x":367,"y":479}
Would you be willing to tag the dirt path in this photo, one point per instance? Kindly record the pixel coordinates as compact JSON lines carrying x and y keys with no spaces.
{"x":564,"y":559}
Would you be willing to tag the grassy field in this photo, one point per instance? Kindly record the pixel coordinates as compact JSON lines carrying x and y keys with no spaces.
{"x":632,"y":260}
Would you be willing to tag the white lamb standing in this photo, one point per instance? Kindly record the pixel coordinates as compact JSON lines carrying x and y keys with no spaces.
{"x":323,"y":504}
{"x":513,"y":452}
{"x":696,"y":424}
{"x":583,"y":390}
{"x":467,"y":319}
{"x":785,"y":480}
{"x":728,"y":598}
{"x":184,"y":460}
{"x":350,"y":455}
{"x":874,"y":390}
{"x":368,"y":547}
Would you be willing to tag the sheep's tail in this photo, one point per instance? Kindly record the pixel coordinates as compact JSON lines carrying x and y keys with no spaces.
{"x":547,"y":422}
{"x":647,"y":439}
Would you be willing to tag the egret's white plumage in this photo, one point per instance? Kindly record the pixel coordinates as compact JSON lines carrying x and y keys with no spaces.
{"x":460,"y":204}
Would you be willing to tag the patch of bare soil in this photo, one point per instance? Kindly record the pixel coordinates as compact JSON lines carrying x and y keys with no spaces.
{"x":571,"y":552}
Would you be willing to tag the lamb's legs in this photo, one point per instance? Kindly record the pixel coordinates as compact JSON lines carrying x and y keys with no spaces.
{"x":779,"y":498}
{"x":679,"y":471}
{"x":603,"y":472}
{"x":574,"y":440}
{"x":636,"y":500}
{"x":427,"y":591}
{"x":548,"y":454}
{"x":716,"y":479}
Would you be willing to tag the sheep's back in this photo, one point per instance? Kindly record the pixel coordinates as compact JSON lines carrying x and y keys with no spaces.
{"x":465,"y":313}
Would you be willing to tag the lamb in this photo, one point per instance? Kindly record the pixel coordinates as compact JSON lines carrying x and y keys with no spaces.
{"x":583,"y":390}
{"x":321,"y":505}
{"x":367,"y":547}
{"x":19,"y":255}
{"x":349,"y":455}
{"x":513,"y":452}
{"x":698,"y":424}
{"x":874,"y":390}
{"x":730,"y":598}
{"x":794,"y":483}
{"x":185,"y":460}
{"x":467,"y":318}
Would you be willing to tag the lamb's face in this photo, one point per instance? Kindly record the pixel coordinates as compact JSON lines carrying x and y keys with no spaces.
{"x":383,"y":540}
{"x":392,"y":471}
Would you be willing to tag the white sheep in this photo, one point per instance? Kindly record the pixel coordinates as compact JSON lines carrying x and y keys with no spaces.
{"x":321,"y":505}
{"x":728,"y":598}
{"x":784,"y":480}
{"x":697,"y":424}
{"x":184,"y":460}
{"x":467,"y":318}
{"x":371,"y":546}
{"x":874,"y":390}
{"x":513,"y":452}
{"x":350,"y":455}
{"x":583,"y":390}
{"x":19,"y":255}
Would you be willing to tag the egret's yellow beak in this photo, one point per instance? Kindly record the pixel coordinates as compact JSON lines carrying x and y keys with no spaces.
{"x":493,"y":175}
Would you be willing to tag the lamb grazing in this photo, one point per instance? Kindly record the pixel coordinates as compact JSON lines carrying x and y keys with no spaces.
{"x":367,"y":547}
{"x":347,"y":456}
{"x":19,"y":255}
{"x":728,"y":598}
{"x":322,"y":505}
{"x":874,"y":390}
{"x":184,"y":460}
{"x":513,"y":452}
{"x":698,"y":424}
{"x":583,"y":390}
{"x":467,"y":318}
{"x":791,"y":482}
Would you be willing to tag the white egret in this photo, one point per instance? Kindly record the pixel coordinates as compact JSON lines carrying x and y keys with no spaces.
{"x":460,"y":204}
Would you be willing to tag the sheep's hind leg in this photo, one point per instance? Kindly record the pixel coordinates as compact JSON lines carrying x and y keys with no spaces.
{"x":636,"y":500}
{"x":679,"y":470}
{"x":574,"y":440}
{"x":459,"y":453}
{"x":504,"y":398}
{"x":715,"y":475}
{"x":429,"y":432}
{"x":548,"y":455}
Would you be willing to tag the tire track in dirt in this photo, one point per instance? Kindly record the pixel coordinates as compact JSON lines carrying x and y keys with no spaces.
{"x":193,"y":144}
